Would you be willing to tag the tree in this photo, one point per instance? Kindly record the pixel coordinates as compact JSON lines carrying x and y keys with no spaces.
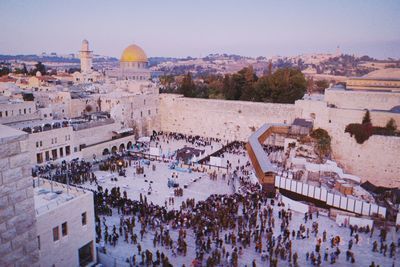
{"x":38,"y":67}
{"x":4,"y":71}
{"x":287,"y":85}
{"x":187,"y":87}
{"x":391,"y":125}
{"x":21,"y":71}
{"x":323,"y":143}
{"x":321,"y":85}
{"x":250,"y":78}
{"x":367,"y":118}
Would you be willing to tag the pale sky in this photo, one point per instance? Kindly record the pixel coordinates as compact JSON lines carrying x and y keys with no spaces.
{"x":200,"y":27}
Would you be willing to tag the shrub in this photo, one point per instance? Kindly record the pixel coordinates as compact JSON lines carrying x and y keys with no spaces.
{"x":361,"y":132}
{"x":323,"y":142}
{"x":391,"y":125}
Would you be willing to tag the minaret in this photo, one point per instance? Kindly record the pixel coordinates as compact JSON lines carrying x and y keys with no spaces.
{"x":338,"y":52}
{"x":86,"y":57}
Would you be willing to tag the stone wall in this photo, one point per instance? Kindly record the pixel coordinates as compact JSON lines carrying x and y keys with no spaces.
{"x":362,"y":99}
{"x":375,"y":160}
{"x":18,"y":239}
{"x":228,"y":120}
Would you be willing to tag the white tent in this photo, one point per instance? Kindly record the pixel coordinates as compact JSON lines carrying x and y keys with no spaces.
{"x":144,"y":139}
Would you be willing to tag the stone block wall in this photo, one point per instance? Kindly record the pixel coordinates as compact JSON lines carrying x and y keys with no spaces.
{"x":228,"y":120}
{"x":18,"y":239}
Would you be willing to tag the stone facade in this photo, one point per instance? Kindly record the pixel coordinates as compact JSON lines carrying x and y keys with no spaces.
{"x":64,"y":252}
{"x":228,"y":120}
{"x":18,"y":239}
{"x":236,"y":120}
{"x":362,"y":99}
{"x":18,"y":111}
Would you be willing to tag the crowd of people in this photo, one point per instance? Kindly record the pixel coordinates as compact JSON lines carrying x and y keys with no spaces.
{"x":222,"y":230}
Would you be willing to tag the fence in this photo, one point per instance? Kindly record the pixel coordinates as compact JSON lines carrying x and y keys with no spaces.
{"x":331,"y":199}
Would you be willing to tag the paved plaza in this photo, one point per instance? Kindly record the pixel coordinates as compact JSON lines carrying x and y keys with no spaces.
{"x":153,"y":184}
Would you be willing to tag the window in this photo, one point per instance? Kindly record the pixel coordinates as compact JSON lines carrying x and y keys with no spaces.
{"x":39,"y":158}
{"x":30,"y":110}
{"x":37,"y":144}
{"x":20,"y":112}
{"x":67,"y":150}
{"x":41,"y":144}
{"x":38,"y":241}
{"x":24,"y":110}
{"x":61,"y":152}
{"x":56,"y":234}
{"x":47,"y":155}
{"x":141,"y":113}
{"x":149,"y":112}
{"x":84,"y":218}
{"x":54,"y":154}
{"x":1,"y":114}
{"x":64,"y":229}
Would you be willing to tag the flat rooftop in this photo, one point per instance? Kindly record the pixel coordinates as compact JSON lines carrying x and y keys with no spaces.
{"x":32,"y":123}
{"x":7,"y":133}
{"x":46,"y":201}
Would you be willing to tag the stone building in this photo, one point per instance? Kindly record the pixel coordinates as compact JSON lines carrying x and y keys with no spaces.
{"x":18,"y":234}
{"x":65,"y":225}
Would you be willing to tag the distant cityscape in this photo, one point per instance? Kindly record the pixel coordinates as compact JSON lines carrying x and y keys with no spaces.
{"x":216,"y":160}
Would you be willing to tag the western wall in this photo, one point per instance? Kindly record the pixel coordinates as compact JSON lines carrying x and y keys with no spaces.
{"x":375,"y":160}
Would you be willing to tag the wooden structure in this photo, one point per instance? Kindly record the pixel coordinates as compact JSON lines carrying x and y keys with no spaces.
{"x":265,"y":171}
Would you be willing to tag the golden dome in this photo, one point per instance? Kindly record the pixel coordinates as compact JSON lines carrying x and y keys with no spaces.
{"x":133,"y":53}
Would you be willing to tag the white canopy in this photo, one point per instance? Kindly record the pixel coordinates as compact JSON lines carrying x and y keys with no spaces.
{"x":144,"y":139}
{"x":123,"y":130}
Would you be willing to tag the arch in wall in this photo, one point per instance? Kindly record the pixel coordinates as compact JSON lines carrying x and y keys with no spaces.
{"x":114,"y":149}
{"x":121,"y":147}
{"x":129,"y":145}
{"x":106,"y":151}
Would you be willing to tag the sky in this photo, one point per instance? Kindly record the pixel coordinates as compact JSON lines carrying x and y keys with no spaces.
{"x":180,"y":28}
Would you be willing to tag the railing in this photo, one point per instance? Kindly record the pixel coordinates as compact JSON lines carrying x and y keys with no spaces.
{"x":91,"y":124}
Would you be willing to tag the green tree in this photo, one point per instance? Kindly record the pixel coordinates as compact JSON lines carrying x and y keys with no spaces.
{"x":250,"y":77}
{"x":321,"y":85}
{"x":391,"y":125}
{"x":262,"y":89}
{"x":287,"y":85}
{"x":187,"y":87}
{"x":367,"y":118}
{"x":38,"y":67}
{"x":21,"y":71}
{"x":4,"y":71}
{"x":323,"y":143}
